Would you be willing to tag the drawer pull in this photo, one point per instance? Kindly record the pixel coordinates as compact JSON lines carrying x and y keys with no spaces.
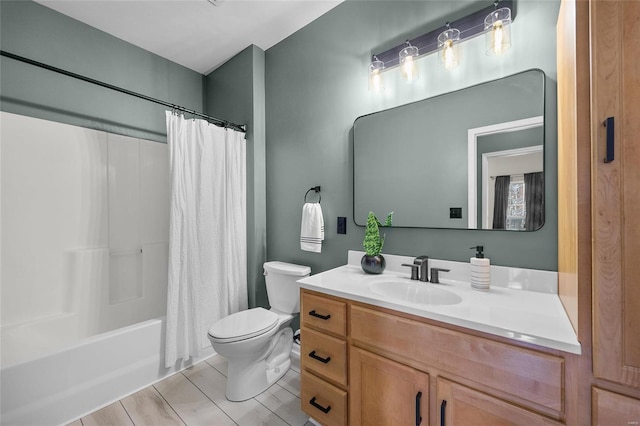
{"x":317,"y":315}
{"x":319,"y":358}
{"x":313,"y":402}
{"x":418,"y":414}
{"x":609,"y":123}
{"x":443,"y":407}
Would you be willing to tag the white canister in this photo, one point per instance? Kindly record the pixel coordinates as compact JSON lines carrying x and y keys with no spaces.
{"x":480,"y":270}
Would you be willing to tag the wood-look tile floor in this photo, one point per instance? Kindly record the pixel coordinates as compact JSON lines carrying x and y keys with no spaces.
{"x":196,"y":397}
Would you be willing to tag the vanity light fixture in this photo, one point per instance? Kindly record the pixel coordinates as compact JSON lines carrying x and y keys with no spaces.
{"x":407,"y":58}
{"x":448,"y":41}
{"x":444,"y":40}
{"x":375,"y":75}
{"x":497,"y":26}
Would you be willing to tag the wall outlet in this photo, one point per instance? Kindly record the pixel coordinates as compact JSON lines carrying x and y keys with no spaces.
{"x":342,"y":225}
{"x":455,"y":212}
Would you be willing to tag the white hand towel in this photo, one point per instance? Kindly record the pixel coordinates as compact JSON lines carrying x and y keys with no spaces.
{"x":312,"y":228}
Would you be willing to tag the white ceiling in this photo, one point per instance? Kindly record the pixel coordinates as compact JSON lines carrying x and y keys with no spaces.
{"x":196,"y":33}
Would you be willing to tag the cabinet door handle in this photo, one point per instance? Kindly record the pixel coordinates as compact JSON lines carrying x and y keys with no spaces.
{"x":443,"y":407}
{"x":319,"y":358}
{"x":418,"y":414}
{"x":609,"y":123}
{"x":313,"y":402}
{"x":317,"y":315}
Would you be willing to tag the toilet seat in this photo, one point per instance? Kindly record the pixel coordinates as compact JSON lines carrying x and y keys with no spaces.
{"x":243,"y":325}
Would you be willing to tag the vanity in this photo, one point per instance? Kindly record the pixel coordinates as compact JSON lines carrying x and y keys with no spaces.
{"x":385,"y":349}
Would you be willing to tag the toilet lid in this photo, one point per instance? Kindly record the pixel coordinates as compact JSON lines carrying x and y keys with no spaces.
{"x":243,"y":325}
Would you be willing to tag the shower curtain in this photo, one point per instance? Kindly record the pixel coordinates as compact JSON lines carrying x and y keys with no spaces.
{"x":207,"y":241}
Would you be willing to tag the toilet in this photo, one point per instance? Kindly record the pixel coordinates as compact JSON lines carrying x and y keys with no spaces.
{"x":257,"y":342}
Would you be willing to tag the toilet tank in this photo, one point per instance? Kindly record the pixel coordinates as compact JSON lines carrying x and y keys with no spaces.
{"x":282,"y":289}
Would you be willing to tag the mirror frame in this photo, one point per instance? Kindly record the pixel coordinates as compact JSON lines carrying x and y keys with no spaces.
{"x":544,"y":111}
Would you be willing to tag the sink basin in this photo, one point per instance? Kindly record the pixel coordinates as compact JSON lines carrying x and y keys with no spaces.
{"x":413,"y":292}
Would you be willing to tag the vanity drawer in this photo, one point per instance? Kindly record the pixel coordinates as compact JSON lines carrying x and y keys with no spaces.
{"x":322,"y":401}
{"x":324,"y":355}
{"x":529,"y":375}
{"x":323,"y":313}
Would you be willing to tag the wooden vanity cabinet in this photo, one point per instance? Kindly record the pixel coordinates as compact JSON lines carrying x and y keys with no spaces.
{"x":391,"y":368}
{"x":599,"y":200}
{"x":323,"y":358}
{"x":461,"y":405}
{"x":616,"y":196}
{"x":385,"y":392}
{"x":474,"y":380}
{"x":611,"y":408}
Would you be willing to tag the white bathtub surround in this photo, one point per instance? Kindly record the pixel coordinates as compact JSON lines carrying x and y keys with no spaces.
{"x":91,"y":210}
{"x":207,"y":243}
{"x":522,"y":304}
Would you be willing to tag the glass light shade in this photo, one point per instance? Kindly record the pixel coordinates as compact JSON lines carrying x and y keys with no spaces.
{"x":448,"y":41}
{"x":375,"y":75}
{"x":497,"y":27}
{"x":408,"y":55}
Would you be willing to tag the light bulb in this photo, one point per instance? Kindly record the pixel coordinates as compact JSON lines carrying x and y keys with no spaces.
{"x":498,"y":37}
{"x":449,"y":56}
{"x":407,"y":68}
{"x":448,"y":41}
{"x":407,"y":62}
{"x":497,"y":26}
{"x":376,"y":81}
{"x":375,"y":75}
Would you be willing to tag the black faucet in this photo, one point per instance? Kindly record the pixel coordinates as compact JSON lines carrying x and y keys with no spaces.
{"x":419,"y":268}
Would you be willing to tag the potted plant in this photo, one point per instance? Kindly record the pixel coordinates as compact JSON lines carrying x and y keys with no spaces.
{"x":373,"y":262}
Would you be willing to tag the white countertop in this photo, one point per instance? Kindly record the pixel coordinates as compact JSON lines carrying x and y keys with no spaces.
{"x":534,"y":315}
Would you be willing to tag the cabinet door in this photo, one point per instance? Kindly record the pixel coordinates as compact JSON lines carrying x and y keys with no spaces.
{"x":460,"y":405}
{"x":384,"y":392}
{"x":612,"y":409}
{"x":616,"y":195}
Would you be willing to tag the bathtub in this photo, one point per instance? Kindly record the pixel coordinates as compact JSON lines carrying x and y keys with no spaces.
{"x":69,"y":383}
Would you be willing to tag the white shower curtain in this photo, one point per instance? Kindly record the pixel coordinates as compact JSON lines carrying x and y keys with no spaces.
{"x":207,"y":242}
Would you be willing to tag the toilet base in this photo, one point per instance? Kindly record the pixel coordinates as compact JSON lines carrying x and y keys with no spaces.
{"x":247,"y":378}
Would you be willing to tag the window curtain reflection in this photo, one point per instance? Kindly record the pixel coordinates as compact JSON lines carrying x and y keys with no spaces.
{"x":534,"y":200}
{"x":501,"y":201}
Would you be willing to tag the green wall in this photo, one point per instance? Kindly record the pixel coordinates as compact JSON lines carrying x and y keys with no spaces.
{"x":36,"y":32}
{"x":316,"y":86}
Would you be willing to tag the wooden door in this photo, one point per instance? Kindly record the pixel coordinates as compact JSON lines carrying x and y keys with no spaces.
{"x":384,"y":392}
{"x":615,"y":27}
{"x":459,"y":405}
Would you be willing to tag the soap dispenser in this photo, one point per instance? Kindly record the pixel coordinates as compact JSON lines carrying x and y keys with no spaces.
{"x":480,"y":270}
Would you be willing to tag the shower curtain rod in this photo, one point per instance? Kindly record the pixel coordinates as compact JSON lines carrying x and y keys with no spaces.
{"x":218,"y":122}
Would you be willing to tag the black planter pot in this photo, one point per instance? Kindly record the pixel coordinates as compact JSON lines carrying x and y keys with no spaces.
{"x":373,"y":264}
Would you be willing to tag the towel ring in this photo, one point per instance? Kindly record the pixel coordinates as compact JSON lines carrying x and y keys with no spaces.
{"x":317,"y":191}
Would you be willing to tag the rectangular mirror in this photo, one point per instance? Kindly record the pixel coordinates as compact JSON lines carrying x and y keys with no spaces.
{"x":469,"y":159}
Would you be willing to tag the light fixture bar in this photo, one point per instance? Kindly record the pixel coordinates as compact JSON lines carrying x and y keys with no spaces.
{"x":469,"y":26}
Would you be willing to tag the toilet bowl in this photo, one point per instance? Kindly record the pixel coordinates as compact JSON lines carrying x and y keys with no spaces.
{"x":257,"y":342}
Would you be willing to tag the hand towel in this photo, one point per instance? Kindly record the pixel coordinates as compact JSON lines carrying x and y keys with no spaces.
{"x":312,"y":228}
